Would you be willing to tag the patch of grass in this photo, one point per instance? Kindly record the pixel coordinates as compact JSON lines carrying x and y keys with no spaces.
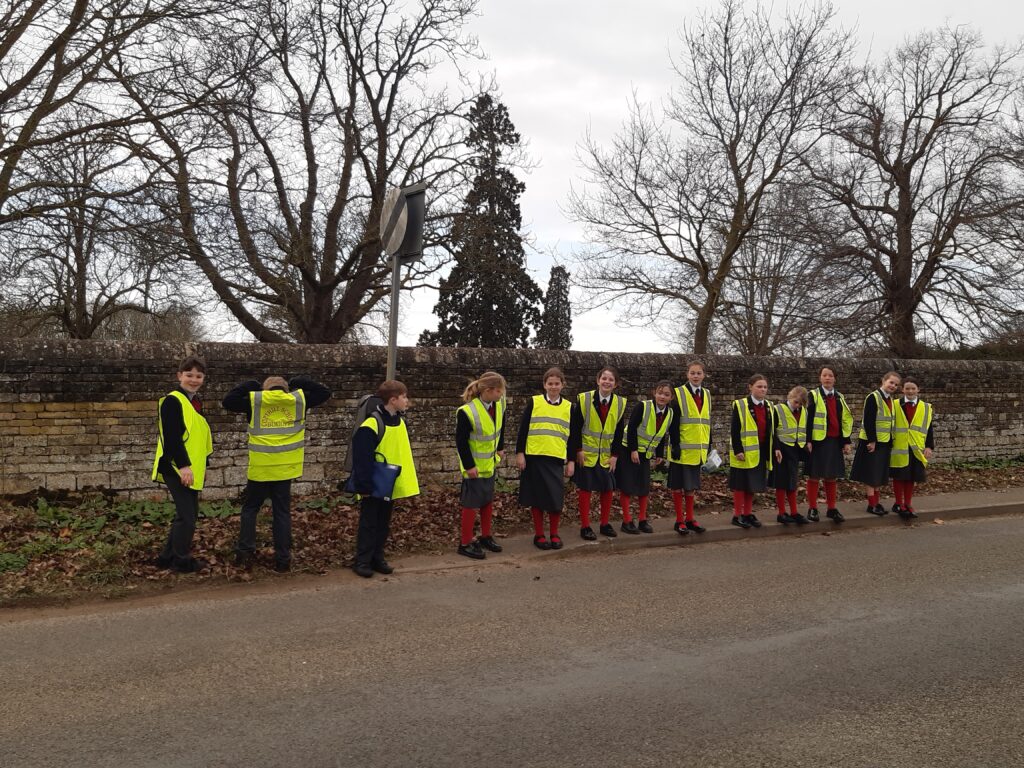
{"x":12,"y":561}
{"x":989,"y":463}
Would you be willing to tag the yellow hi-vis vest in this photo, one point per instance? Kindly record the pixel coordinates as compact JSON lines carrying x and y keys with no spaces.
{"x":792,"y":431}
{"x":198,"y":441}
{"x":597,"y":437}
{"x":277,"y":434}
{"x":748,"y":437}
{"x":483,"y":439}
{"x":907,"y":437}
{"x":819,"y":427}
{"x":883,"y":418}
{"x":394,"y":448}
{"x":548,"y":433}
{"x":694,"y":428}
{"x":648,"y":435}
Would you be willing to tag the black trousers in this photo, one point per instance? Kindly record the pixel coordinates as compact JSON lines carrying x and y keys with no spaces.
{"x":178,"y":549}
{"x":280,"y":494}
{"x":374,"y":527}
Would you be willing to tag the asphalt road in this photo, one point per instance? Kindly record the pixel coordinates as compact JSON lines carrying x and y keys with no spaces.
{"x":887,"y":647}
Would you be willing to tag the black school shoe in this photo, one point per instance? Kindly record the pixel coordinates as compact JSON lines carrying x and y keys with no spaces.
{"x":244,"y":560}
{"x":645,"y":527}
{"x":629,"y":527}
{"x":784,"y":519}
{"x":693,"y":525}
{"x":880,"y":510}
{"x":471,"y":550}
{"x":608,"y":530}
{"x":799,"y":519}
{"x":488,"y":543}
{"x":812,"y":515}
{"x":556,"y":542}
{"x":192,"y":565}
{"x":876,"y":509}
{"x":739,"y":522}
{"x":587,"y":534}
{"x":682,"y":529}
{"x":752,"y":521}
{"x":911,"y":514}
{"x":539,"y":542}
{"x":835,"y":516}
{"x":282,"y":566}
{"x":362,"y":569}
{"x":382,"y":566}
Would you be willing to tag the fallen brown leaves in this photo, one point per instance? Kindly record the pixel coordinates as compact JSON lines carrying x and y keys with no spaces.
{"x":116,"y":559}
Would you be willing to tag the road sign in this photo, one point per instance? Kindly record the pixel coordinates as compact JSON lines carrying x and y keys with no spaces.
{"x":401,"y":222}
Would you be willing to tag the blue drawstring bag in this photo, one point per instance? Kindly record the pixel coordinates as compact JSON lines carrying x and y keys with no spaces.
{"x":383,"y":477}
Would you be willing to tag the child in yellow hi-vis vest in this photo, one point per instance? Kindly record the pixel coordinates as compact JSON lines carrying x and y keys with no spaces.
{"x":479,"y":441}
{"x":383,"y":437}
{"x":912,"y":447}
{"x":183,"y":444}
{"x":276,"y":415}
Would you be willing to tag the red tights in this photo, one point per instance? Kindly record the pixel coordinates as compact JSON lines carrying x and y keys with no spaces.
{"x":641,"y":502}
{"x":742,"y":503}
{"x":538,"y":522}
{"x":903,"y":490}
{"x":781,"y":496}
{"x":677,"y":502}
{"x":606,"y":508}
{"x":469,"y":521}
{"x":830,"y":493}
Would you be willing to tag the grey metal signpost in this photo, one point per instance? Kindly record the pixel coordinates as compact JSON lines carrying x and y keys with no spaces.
{"x":401,"y":233}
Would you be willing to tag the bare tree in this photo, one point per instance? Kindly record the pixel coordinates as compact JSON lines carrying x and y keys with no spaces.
{"x":93,"y":252}
{"x":926,"y":190}
{"x":670,"y":205}
{"x":784,"y":295}
{"x":54,"y":56}
{"x":275,"y":181}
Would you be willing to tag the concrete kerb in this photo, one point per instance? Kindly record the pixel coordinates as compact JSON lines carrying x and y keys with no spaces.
{"x":519,"y":549}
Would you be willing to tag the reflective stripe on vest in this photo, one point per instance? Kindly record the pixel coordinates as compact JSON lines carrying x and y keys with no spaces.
{"x":791,"y":431}
{"x":394,"y":448}
{"x":648,"y":435}
{"x":819,"y":427}
{"x":198,"y":441}
{"x":597,"y":437}
{"x":883,"y":418}
{"x":483,"y":438}
{"x":548,"y":432}
{"x":277,"y":435}
{"x":694,"y":427}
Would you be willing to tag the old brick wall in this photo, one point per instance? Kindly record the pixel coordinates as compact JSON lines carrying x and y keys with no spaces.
{"x":77,"y":415}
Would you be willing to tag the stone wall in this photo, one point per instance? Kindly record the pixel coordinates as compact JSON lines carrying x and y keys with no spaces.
{"x":77,"y":415}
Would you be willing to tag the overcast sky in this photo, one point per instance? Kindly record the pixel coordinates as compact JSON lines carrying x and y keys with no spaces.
{"x":566,"y":66}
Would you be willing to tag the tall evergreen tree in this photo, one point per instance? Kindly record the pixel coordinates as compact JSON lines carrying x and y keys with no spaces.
{"x":555,"y":330}
{"x":488,"y":299}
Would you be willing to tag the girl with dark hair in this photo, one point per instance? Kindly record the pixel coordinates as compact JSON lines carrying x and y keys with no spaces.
{"x":597,"y":422}
{"x":752,"y":450}
{"x":543,"y":458}
{"x":829,"y":426}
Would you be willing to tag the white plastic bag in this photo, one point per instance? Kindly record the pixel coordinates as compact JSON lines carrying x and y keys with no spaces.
{"x":714,"y":461}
